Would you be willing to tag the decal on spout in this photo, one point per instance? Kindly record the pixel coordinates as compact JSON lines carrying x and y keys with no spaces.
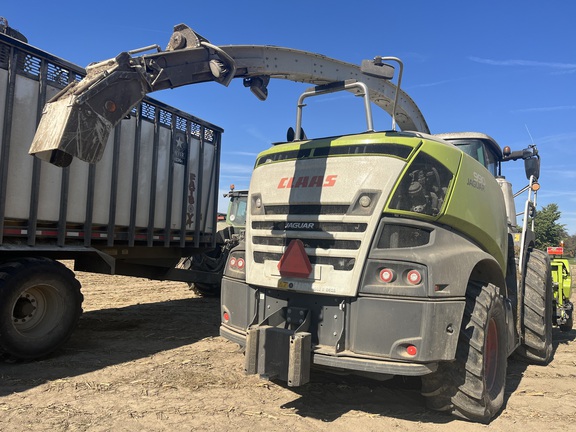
{"x":307,"y":182}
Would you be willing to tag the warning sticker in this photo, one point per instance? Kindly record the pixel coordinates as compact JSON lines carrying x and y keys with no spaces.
{"x":284,"y":285}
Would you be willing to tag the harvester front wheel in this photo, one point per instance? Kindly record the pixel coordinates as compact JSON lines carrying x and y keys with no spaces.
{"x":537,"y":309}
{"x":40,"y":305}
{"x":472,"y":386}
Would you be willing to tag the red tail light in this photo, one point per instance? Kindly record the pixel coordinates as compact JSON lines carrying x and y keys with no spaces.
{"x":236,"y":267}
{"x":387,"y":275}
{"x":411,"y":350}
{"x":414,"y":277}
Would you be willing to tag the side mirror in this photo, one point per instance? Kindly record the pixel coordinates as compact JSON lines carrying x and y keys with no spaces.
{"x":532,"y":167}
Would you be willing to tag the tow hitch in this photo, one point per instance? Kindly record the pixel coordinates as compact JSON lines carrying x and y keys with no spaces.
{"x":283,"y":335}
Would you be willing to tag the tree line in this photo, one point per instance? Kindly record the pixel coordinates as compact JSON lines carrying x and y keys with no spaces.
{"x":551,"y":233}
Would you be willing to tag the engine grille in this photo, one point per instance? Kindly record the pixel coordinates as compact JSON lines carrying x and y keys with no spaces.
{"x":327,"y":242}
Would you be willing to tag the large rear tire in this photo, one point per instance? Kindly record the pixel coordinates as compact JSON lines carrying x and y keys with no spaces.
{"x":472,"y":386}
{"x":40,"y":305}
{"x":537,"y":314}
{"x":213,"y":262}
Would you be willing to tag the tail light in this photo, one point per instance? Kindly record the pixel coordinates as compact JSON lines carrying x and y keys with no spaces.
{"x":413,"y":277}
{"x":387,"y":275}
{"x":410,"y":276}
{"x":396,"y":278}
{"x":236,"y":265}
{"x":411,"y":350}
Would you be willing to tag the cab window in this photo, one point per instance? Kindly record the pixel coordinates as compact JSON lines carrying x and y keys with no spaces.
{"x":480,"y":152}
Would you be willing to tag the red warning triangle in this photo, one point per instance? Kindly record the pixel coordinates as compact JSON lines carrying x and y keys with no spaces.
{"x":295,"y":263}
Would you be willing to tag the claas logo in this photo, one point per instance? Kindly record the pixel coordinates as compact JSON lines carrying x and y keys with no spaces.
{"x":307,"y":182}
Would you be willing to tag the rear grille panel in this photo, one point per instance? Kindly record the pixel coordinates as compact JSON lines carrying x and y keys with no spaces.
{"x":304,"y":209}
{"x":340,"y":240}
{"x":310,"y":226}
{"x":339,"y":263}
{"x":308,"y":243}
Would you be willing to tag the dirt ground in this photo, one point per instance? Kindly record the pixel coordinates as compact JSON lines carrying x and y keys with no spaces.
{"x":147,"y":357}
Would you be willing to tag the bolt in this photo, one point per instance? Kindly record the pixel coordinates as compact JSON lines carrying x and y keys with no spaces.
{"x":301,"y":313}
{"x":450,"y":329}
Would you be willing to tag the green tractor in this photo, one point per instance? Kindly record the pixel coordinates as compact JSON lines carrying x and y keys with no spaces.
{"x":230,"y":231}
{"x":562,"y":284}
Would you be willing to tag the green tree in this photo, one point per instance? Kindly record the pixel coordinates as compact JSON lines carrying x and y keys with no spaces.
{"x":548,"y":231}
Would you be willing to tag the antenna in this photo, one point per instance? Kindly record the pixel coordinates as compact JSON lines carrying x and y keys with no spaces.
{"x":529,"y":134}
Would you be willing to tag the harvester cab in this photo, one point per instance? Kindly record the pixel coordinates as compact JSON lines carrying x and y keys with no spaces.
{"x":237,"y":207}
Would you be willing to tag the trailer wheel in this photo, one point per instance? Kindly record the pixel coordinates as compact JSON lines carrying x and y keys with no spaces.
{"x":537,"y":310}
{"x":40,"y":305}
{"x":472,"y":386}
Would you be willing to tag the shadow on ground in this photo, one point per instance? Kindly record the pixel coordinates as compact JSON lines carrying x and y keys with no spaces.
{"x":118,"y":335}
{"x":398,"y":398}
{"x":112,"y":336}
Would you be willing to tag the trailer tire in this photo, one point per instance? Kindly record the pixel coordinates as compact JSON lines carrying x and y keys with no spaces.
{"x":40,"y":305}
{"x":536,"y":347}
{"x":472,"y":386}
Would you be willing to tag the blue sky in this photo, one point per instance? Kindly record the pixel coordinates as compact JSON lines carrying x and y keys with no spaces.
{"x":505,"y":68}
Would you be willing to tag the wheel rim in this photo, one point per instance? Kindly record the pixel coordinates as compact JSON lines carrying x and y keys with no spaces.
{"x":37,"y":310}
{"x":491,"y":355}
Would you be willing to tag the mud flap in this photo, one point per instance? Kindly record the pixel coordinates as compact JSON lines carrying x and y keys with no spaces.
{"x":279,"y":353}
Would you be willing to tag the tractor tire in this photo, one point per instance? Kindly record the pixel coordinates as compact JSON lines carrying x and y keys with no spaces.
{"x":472,"y":386}
{"x":537,"y":315}
{"x":205,"y":290}
{"x":213,"y":262}
{"x":40,"y":305}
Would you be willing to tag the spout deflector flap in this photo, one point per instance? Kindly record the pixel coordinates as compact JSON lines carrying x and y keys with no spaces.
{"x":78,"y":121}
{"x":69,"y":129}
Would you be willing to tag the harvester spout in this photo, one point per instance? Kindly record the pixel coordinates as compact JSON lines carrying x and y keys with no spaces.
{"x":78,"y":120}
